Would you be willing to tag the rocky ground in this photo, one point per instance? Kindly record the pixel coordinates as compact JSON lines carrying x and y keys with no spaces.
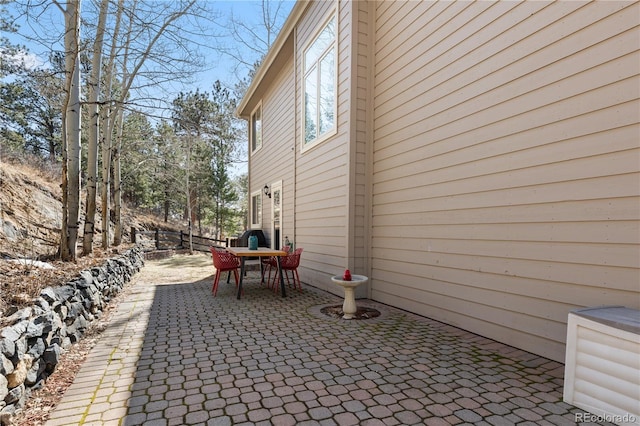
{"x":20,"y":282}
{"x":42,"y":401}
{"x":30,"y":219}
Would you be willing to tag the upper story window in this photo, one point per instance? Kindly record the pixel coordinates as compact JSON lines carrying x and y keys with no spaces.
{"x":256,"y":210}
{"x":319,"y":111}
{"x":256,"y":129}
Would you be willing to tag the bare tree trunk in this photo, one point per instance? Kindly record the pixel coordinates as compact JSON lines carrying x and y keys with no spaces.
{"x":112,"y":117}
{"x":200,"y":217}
{"x":188,"y":171}
{"x":117,"y":184}
{"x":94,"y":132}
{"x":166,"y":207}
{"x":71,"y":134}
{"x":64,"y":244}
{"x":107,"y":131}
{"x":106,"y":168}
{"x":74,"y":157}
{"x":218,"y":220}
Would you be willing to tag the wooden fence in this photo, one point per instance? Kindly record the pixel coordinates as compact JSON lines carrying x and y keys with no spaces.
{"x":173,"y":240}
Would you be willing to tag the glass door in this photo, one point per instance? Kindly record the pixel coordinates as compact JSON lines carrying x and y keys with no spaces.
{"x":276,"y":208}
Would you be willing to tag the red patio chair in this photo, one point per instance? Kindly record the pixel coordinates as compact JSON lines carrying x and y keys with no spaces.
{"x":270,"y":262}
{"x":289,"y":262}
{"x":223,"y":261}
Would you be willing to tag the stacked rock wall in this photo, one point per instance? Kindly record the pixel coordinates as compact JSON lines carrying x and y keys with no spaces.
{"x":31,"y":345}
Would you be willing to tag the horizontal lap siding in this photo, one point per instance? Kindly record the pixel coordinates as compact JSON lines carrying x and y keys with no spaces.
{"x":275,"y":160}
{"x":322,"y":191}
{"x":506,"y":163}
{"x":361,"y":136}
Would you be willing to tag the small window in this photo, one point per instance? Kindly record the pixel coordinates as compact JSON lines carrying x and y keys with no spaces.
{"x":256,"y":210}
{"x":319,"y":103}
{"x":256,"y":129}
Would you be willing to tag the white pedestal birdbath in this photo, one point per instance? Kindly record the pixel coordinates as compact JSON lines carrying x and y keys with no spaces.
{"x":349,"y":306}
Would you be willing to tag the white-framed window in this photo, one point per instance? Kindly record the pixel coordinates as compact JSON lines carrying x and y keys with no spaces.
{"x":319,"y":110}
{"x":256,"y":210}
{"x":256,"y":129}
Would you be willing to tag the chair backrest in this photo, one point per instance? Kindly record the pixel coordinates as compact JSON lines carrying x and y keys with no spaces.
{"x":271,"y":260}
{"x":222,"y":259}
{"x":292,"y":260}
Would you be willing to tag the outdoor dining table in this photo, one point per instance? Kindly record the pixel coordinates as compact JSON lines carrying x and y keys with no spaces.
{"x":244,"y":252}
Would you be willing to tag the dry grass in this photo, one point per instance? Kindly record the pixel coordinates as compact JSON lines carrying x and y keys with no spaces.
{"x":30,"y":200}
{"x":22,"y":283}
{"x":43,"y":401}
{"x":46,"y":170}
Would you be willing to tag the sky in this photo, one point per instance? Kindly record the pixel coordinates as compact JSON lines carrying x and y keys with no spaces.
{"x":49,"y":25}
{"x":46,"y":32}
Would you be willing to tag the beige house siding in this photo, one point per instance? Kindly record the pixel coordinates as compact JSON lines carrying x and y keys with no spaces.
{"x":275,"y":160}
{"x":322,"y":178}
{"x":505,"y":187}
{"x":361,"y":136}
{"x":486,"y":168}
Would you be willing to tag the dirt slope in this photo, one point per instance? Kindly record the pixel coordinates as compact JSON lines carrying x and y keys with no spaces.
{"x":30,"y":212}
{"x":30,"y":221}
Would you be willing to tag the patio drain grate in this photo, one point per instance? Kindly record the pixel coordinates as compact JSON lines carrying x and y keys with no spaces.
{"x":362,"y":313}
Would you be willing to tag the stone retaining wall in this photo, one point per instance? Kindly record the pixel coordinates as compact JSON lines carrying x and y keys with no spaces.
{"x":31,"y":345}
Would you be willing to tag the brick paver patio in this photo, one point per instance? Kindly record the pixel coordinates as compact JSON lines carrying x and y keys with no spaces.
{"x":175,"y":355}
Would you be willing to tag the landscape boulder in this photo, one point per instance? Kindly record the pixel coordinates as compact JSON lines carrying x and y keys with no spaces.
{"x":35,"y":337}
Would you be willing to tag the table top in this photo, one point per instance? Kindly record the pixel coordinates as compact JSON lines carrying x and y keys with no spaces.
{"x":262,"y":251}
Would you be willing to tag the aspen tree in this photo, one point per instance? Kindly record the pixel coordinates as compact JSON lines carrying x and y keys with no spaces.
{"x":94,"y":131}
{"x":71,"y":132}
